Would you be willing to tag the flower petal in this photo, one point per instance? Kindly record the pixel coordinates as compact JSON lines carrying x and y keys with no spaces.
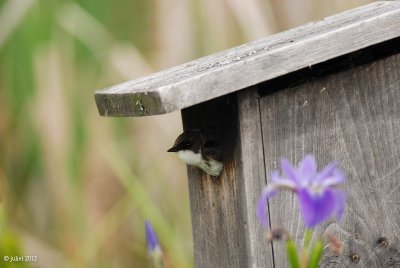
{"x":282,"y":183}
{"x":263,"y":204}
{"x":151,"y":237}
{"x":336,"y":178}
{"x":327,"y":171}
{"x":308,"y":168}
{"x":275,"y":178}
{"x":289,"y":171}
{"x":317,"y":197}
{"x":316,"y":209}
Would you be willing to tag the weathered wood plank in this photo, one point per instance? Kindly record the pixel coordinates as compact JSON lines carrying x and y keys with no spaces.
{"x":353,"y":117}
{"x":249,"y":161}
{"x":252,"y":63}
{"x":225,"y":231}
{"x":213,"y":202}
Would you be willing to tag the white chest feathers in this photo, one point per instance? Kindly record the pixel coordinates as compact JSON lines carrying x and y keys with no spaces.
{"x":189,"y":157}
{"x":212,"y":167}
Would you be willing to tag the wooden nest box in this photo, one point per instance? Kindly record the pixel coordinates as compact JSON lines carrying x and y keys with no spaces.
{"x":330,"y":88}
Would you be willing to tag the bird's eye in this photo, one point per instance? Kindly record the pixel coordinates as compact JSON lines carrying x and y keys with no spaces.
{"x":188,"y":144}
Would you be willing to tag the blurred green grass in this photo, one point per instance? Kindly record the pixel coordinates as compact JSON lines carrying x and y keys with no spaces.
{"x":75,"y":188}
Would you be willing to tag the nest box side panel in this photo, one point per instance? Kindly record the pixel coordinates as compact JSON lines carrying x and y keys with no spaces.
{"x":225,"y":230}
{"x":352,"y":116}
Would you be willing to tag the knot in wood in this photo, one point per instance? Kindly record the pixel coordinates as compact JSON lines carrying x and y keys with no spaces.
{"x":383,"y":242}
{"x":277,"y":234}
{"x":355,"y":258}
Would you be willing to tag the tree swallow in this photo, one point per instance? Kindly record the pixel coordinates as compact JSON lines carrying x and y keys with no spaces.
{"x":196,"y":149}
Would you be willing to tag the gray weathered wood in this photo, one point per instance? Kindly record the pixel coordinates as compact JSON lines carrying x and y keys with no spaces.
{"x":225,"y":230}
{"x":252,"y":63}
{"x":249,"y":157}
{"x":352,"y":117}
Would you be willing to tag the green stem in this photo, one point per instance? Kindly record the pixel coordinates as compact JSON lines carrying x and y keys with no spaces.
{"x":316,"y":254}
{"x":306,"y":248}
{"x":307,"y":238}
{"x":292,"y":254}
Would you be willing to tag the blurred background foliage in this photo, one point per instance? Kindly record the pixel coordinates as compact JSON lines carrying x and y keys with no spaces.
{"x":75,"y":188}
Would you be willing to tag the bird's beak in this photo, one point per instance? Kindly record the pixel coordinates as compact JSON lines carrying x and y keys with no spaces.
{"x":173,"y":149}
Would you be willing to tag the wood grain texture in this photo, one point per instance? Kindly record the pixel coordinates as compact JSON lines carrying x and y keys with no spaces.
{"x":252,"y":63}
{"x":249,"y":157}
{"x":225,"y":231}
{"x":353,"y":117}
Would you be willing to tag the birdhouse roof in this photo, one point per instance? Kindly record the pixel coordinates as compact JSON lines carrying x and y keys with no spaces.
{"x":252,"y":63}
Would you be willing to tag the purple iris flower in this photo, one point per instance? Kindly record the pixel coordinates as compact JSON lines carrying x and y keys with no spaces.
{"x":151,"y":238}
{"x":317,"y":197}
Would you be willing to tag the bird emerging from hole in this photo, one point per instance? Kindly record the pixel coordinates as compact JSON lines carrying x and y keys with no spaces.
{"x":196,"y":149}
